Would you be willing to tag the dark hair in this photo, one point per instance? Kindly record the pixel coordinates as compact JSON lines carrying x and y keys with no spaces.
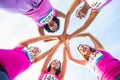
{"x":91,"y":49}
{"x":57,"y":21}
{"x":57,"y":71}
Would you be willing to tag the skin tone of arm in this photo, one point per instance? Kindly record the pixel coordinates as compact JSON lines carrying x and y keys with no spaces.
{"x":41,"y":31}
{"x":96,"y":43}
{"x":60,"y":14}
{"x":53,"y":50}
{"x":64,"y":64}
{"x":81,"y":62}
{"x":69,"y":13}
{"x":42,"y":55}
{"x":36,"y":39}
{"x":92,"y":16}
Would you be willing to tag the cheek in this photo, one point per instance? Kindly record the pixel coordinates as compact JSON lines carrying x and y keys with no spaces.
{"x":80,"y":50}
{"x":88,"y":52}
{"x":35,"y":51}
{"x":58,"y":65}
{"x":55,"y":26}
{"x":52,"y":64}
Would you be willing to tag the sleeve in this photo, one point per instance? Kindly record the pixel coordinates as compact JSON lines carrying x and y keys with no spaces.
{"x":19,"y":48}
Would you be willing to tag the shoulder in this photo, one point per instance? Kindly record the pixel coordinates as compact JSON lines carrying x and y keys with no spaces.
{"x":45,"y":72}
{"x":18,"y":47}
{"x":58,"y":77}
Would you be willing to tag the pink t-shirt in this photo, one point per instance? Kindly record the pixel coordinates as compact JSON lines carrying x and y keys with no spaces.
{"x":105,"y":66}
{"x":18,"y":6}
{"x":97,"y":4}
{"x":47,"y":76}
{"x":14,"y":61}
{"x":43,"y":14}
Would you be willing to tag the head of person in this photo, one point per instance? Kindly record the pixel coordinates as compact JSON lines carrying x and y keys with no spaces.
{"x":53,"y":25}
{"x":81,"y":12}
{"x":55,"y":65}
{"x":35,"y":51}
{"x":85,"y":50}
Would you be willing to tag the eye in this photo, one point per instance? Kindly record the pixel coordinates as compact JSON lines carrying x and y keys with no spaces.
{"x":84,"y":48}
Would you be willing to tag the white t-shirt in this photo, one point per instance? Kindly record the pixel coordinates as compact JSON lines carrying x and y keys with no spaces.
{"x":97,"y":4}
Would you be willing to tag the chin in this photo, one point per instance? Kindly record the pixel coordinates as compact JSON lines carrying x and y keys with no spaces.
{"x":54,"y":68}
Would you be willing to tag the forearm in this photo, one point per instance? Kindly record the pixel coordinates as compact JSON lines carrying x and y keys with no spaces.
{"x":36,"y":39}
{"x":81,"y":62}
{"x":50,"y":51}
{"x":69,"y":13}
{"x":96,"y":43}
{"x":41,"y":31}
{"x":47,"y":60}
{"x":49,"y":57}
{"x":86,"y":24}
{"x":64,"y":64}
{"x":43,"y":55}
{"x":60,"y":14}
{"x":66,"y":24}
{"x":82,"y":35}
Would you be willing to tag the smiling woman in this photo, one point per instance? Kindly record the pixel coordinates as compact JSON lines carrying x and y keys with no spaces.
{"x":105,"y":28}
{"x":40,"y":11}
{"x":98,"y":59}
{"x":54,"y":71}
{"x":21,"y":57}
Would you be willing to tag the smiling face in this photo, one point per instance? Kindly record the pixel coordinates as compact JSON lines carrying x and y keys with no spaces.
{"x":84,"y":49}
{"x":82,"y":11}
{"x":52,"y":25}
{"x":80,"y":14}
{"x":55,"y":64}
{"x":35,"y":51}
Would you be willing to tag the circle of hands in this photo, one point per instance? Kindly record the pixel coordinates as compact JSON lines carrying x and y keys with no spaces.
{"x":62,"y":39}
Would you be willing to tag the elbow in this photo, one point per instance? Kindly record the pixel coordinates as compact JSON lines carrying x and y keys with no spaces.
{"x":70,"y":58}
{"x":24,"y":44}
{"x":64,"y":16}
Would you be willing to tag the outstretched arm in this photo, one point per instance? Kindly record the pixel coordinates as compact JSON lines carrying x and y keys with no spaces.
{"x":69,"y":13}
{"x":49,"y":57}
{"x":42,"y":55}
{"x":60,"y":14}
{"x":64,"y":64}
{"x":92,"y":16}
{"x":36,"y":39}
{"x":41,"y":31}
{"x":81,"y":62}
{"x":96,"y":43}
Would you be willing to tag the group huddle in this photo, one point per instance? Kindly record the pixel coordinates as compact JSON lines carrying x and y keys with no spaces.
{"x":46,"y":17}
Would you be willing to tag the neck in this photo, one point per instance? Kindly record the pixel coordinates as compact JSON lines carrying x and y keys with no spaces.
{"x":53,"y":71}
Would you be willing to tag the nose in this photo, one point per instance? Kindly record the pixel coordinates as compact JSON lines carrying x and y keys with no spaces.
{"x":53,"y":28}
{"x":56,"y":62}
